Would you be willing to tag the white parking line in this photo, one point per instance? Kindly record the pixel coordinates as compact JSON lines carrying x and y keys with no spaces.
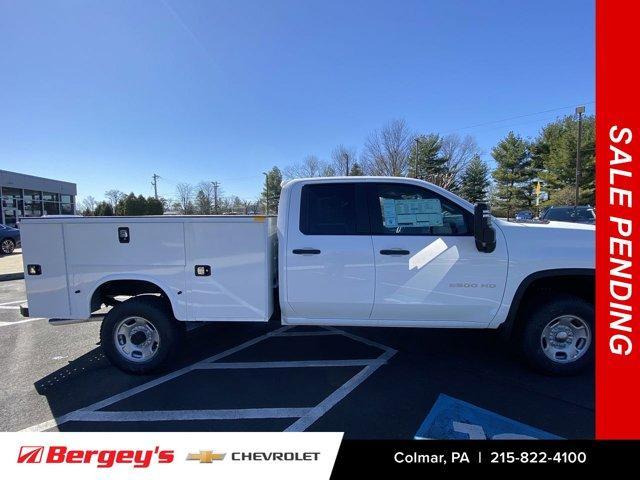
{"x":13,"y":302}
{"x":172,"y":415}
{"x":308,"y":334}
{"x":17,"y":322}
{"x":145,"y":386}
{"x":323,"y":407}
{"x":288,"y":364}
{"x":305,"y":416}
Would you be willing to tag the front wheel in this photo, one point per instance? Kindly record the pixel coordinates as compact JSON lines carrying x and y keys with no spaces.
{"x":7,"y":246}
{"x":558,"y":337}
{"x":140,"y":335}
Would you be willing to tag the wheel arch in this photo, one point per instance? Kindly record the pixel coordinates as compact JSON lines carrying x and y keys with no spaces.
{"x":132,"y":286}
{"x":578,"y":281}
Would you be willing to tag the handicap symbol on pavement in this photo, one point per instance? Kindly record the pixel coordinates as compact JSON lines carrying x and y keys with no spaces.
{"x":453,"y":419}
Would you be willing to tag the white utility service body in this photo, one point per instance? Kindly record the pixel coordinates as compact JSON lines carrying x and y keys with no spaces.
{"x":350,"y":251}
{"x":79,"y":255}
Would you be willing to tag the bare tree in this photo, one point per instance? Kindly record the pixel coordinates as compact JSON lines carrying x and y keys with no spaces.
{"x":88,"y":205}
{"x":114,"y":196}
{"x":458,"y":151}
{"x":386,"y":151}
{"x":343,"y":159}
{"x":184,"y":192}
{"x":310,"y":167}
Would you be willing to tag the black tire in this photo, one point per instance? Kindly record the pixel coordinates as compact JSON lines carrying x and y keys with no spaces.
{"x":7,"y":246}
{"x":539,"y":316}
{"x":153,"y":310}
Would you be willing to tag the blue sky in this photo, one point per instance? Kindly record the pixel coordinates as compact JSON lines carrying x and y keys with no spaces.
{"x":106,"y":92}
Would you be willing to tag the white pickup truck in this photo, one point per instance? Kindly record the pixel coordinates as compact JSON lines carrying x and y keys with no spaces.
{"x":350,"y":251}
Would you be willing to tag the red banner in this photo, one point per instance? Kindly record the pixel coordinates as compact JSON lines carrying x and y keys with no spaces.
{"x":618,"y":219}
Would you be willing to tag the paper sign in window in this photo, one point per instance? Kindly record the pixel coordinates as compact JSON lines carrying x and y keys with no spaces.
{"x":413,"y":212}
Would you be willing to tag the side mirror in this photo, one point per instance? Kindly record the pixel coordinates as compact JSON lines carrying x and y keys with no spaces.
{"x":483,"y":229}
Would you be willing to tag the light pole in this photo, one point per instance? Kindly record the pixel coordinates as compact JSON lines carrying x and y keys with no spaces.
{"x":579,"y":112}
{"x":266,"y":183}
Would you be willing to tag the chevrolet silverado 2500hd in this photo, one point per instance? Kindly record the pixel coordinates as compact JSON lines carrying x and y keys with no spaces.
{"x":350,"y":251}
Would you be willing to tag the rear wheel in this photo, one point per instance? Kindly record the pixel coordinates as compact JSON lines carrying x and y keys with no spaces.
{"x":7,"y":246}
{"x":558,"y":337}
{"x":140,"y":335}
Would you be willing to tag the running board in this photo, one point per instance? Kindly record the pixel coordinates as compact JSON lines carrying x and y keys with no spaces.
{"x":71,"y":321}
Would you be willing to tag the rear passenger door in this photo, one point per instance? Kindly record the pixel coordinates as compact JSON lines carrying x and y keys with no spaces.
{"x":329,"y":254}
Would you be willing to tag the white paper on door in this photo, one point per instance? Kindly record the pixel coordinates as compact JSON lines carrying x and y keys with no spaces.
{"x":412,"y":212}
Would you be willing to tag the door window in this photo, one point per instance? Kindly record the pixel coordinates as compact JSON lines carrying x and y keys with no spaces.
{"x":402,"y":209}
{"x":333,"y":209}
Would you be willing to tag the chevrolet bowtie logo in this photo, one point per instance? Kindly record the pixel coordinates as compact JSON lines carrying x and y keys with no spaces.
{"x":206,"y":456}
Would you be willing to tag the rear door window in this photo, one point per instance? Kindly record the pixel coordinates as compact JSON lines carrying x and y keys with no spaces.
{"x":333,"y":209}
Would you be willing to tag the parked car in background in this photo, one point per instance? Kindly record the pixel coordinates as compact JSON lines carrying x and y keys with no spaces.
{"x":9,"y":239}
{"x":580,"y":214}
{"x":524,"y":215}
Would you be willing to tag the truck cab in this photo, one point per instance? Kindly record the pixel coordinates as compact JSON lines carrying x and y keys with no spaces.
{"x":384,"y":252}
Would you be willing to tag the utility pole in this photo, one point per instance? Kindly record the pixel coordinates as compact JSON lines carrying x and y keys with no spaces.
{"x":417,"y":152}
{"x":346,"y":158}
{"x":215,"y":197}
{"x":155,"y":185}
{"x":266,"y":184}
{"x":579,"y":111}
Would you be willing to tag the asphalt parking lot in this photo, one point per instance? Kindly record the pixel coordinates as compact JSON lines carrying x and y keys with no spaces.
{"x":369,"y":383}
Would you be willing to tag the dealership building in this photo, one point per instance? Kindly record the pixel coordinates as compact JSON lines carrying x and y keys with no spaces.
{"x":29,"y":196}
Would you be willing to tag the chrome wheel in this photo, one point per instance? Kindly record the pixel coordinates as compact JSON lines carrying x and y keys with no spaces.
{"x":566,"y":338}
{"x":7,"y":246}
{"x":136,"y":339}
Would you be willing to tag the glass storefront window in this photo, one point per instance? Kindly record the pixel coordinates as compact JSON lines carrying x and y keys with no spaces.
{"x":51,"y":208}
{"x":16,"y":203}
{"x":66,"y":208}
{"x":50,"y":197}
{"x":32,"y":196}
{"x":11,"y":205}
{"x":32,"y":209}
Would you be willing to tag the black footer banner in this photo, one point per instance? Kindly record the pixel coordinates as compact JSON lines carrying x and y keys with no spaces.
{"x":418,"y":457}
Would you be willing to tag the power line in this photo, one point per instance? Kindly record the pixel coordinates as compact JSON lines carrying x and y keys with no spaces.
{"x":522,"y":116}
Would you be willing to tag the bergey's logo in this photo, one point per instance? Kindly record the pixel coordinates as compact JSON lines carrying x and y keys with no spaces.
{"x":100,"y":458}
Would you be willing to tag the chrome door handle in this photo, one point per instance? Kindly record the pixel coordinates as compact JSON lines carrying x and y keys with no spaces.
{"x":395,"y":251}
{"x":306,"y":251}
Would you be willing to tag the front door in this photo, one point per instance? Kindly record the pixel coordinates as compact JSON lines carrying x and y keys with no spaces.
{"x":329,"y":255}
{"x":428,"y":269}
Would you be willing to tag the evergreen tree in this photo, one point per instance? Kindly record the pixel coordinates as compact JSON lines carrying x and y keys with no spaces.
{"x":474,"y":183}
{"x":554,"y":152}
{"x":514,"y":174}
{"x":272,"y":187}
{"x":203,"y":204}
{"x":103,"y":209}
{"x":432,"y":164}
{"x":356,"y":170}
{"x":154,"y":206}
{"x":132,"y":205}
